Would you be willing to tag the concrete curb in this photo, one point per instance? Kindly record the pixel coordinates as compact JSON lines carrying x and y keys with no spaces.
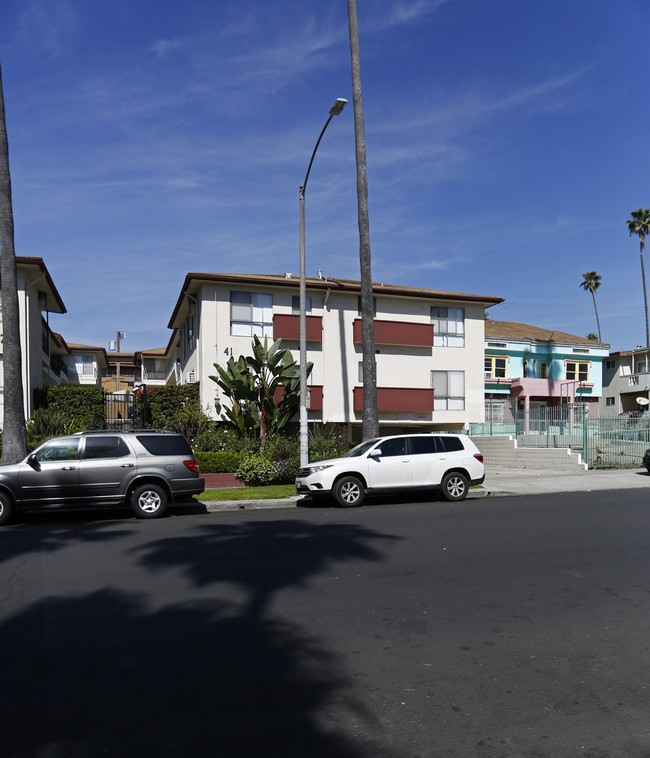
{"x":216,"y":506}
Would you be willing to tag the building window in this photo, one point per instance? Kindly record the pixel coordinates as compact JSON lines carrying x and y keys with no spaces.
{"x":610,"y":401}
{"x":448,"y":390}
{"x":295,"y":304}
{"x":251,"y":313}
{"x":578,"y":370}
{"x":610,"y":364}
{"x":361,"y":372}
{"x":374,"y":306}
{"x":496,"y":367}
{"x":448,"y":326}
{"x":495,"y":413}
{"x":640,"y":367}
{"x":543,"y":370}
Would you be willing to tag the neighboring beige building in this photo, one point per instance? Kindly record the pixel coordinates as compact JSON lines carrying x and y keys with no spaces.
{"x":429,"y":345}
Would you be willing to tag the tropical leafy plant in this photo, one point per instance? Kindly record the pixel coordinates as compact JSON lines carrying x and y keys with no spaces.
{"x":46,"y":423}
{"x":263,"y":389}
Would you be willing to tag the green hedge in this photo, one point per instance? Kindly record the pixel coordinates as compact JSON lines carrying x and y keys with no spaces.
{"x":83,"y":407}
{"x":218,"y":462}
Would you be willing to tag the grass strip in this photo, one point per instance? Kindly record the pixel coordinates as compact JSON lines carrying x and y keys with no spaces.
{"x":272,"y":492}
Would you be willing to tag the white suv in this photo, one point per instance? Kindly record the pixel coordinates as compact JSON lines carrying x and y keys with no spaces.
{"x":446,"y":462}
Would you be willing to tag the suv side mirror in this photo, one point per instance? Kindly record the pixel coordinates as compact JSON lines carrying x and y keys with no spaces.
{"x":32,"y":460}
{"x":375,"y":453}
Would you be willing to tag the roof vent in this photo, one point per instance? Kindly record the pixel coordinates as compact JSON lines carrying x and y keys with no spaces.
{"x":288,"y":275}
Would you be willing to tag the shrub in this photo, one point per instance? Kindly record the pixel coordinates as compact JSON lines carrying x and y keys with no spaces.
{"x":82,"y":406}
{"x":255,"y":469}
{"x":327,"y":441}
{"x":221,"y":437}
{"x":190,"y":422}
{"x":219,"y":462}
{"x":165,"y":403}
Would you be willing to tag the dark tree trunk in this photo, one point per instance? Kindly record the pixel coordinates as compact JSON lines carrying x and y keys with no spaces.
{"x":370,"y":422}
{"x":13,"y":428}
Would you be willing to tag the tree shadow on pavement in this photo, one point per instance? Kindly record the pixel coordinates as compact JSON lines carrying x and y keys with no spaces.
{"x":117,"y":672}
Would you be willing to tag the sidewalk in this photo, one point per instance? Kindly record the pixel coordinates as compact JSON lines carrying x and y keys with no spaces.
{"x":499,"y":481}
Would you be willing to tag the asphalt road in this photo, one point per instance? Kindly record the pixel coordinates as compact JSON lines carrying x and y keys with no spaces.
{"x":497,"y":627}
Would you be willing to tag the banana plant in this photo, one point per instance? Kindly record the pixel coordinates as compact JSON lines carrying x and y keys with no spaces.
{"x":251,"y":384}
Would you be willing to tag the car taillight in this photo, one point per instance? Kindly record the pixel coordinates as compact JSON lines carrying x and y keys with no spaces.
{"x":479,"y":457}
{"x":192,"y":465}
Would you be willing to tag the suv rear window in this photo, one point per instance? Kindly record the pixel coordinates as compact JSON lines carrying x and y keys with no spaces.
{"x":163,"y":444}
{"x":450,"y":444}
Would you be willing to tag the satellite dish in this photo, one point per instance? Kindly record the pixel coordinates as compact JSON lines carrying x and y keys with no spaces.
{"x":643,"y":401}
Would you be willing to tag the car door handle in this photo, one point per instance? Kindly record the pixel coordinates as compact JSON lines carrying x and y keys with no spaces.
{"x":68,"y":468}
{"x":126,"y":465}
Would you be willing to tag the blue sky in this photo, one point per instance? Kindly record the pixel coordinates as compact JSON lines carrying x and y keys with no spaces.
{"x":507,"y":143}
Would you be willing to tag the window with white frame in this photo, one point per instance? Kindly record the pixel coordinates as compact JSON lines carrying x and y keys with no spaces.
{"x":610,"y":401}
{"x":578,"y":370}
{"x":295,"y":304}
{"x":251,"y":313}
{"x":448,"y":326}
{"x":448,"y":390}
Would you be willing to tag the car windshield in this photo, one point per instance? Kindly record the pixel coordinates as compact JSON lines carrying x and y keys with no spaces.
{"x":360,"y":449}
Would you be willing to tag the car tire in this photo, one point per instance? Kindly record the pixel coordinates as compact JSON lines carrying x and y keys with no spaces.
{"x":6,"y":508}
{"x":149,"y":501}
{"x":349,"y":492}
{"x":454,"y":486}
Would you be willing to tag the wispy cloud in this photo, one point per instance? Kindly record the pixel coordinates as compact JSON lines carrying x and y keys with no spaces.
{"x":48,"y":26}
{"x":164,"y":47}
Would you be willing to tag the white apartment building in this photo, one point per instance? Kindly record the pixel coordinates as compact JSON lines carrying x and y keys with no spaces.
{"x":429,"y":345}
{"x":36,"y":295}
{"x":46,"y":357}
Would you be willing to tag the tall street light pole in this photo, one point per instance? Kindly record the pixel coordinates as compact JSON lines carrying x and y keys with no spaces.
{"x":335,"y":110}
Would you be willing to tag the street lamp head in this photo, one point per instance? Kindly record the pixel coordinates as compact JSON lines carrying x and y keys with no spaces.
{"x":338,"y":106}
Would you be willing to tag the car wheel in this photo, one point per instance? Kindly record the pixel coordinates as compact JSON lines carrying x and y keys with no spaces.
{"x":454,"y":486}
{"x":6,"y":508}
{"x":149,"y":501}
{"x":348,"y":492}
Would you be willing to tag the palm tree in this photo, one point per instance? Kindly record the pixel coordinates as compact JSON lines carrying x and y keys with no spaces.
{"x":13,"y":428}
{"x":640,"y":224}
{"x":591,"y":282}
{"x":370,"y":422}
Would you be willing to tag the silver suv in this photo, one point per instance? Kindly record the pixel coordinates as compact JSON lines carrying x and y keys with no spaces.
{"x":143,"y":468}
{"x":446,"y":462}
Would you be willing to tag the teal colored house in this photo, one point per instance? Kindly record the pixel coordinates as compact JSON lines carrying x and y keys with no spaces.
{"x":528,"y":367}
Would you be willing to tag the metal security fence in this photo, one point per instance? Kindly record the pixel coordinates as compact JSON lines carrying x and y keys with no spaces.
{"x":120,"y":412}
{"x":617,"y":442}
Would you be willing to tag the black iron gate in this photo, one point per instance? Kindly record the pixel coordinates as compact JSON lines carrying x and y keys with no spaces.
{"x":120,"y":412}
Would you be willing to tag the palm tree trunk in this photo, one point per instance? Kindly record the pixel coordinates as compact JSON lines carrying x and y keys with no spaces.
{"x":13,"y":428}
{"x":593,"y":295}
{"x":370,"y":419}
{"x":645,"y":300}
